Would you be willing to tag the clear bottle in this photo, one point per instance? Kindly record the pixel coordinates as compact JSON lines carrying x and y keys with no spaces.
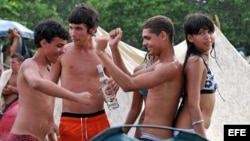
{"x":109,"y":95}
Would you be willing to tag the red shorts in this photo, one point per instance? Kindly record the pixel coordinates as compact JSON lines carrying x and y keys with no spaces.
{"x":14,"y":137}
{"x":7,"y":120}
{"x":82,"y":127}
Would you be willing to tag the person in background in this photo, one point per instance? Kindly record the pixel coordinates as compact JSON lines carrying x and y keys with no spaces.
{"x":77,"y":71}
{"x":198,"y":101}
{"x":35,"y":118}
{"x":6,"y":56}
{"x":163,"y":78}
{"x":139,"y":98}
{"x":16,"y":41}
{"x":9,"y":92}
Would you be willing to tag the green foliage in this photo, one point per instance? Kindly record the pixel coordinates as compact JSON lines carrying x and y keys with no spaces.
{"x":26,"y":12}
{"x":129,"y":15}
{"x":62,"y":7}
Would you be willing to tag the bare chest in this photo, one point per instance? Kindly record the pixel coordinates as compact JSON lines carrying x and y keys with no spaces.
{"x":80,"y":63}
{"x":13,"y":80}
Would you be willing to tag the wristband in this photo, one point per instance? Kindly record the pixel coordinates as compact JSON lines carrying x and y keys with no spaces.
{"x":197,"y":122}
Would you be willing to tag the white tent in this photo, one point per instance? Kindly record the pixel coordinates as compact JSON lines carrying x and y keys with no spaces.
{"x":232,"y":73}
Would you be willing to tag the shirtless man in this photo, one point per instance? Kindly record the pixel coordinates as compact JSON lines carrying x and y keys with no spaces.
{"x":163,"y":79}
{"x":78,"y":72}
{"x":36,"y":92}
{"x":9,"y":95}
{"x":10,"y":91}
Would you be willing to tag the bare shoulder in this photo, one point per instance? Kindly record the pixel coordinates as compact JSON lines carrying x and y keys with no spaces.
{"x":194,"y":62}
{"x":195,"y":59}
{"x":29,"y":63}
{"x":168,"y":71}
{"x":28,"y":70}
{"x":68,"y":47}
{"x":175,"y":67}
{"x":71,"y":44}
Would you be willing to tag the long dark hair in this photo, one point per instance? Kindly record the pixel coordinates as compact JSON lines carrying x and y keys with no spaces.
{"x":192,"y":25}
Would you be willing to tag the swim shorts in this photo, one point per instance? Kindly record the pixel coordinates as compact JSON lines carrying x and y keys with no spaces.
{"x":14,"y":137}
{"x":149,"y":137}
{"x":82,"y":127}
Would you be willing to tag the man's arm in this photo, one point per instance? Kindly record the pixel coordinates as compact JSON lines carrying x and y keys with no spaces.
{"x":16,"y":38}
{"x":115,"y":37}
{"x":125,"y":81}
{"x":10,"y":89}
{"x":35,"y":81}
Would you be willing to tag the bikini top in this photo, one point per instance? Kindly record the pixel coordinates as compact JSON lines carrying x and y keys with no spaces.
{"x":211,"y":83}
{"x":144,"y":92}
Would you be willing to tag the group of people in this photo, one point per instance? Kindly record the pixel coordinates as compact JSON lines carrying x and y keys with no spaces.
{"x":175,"y":94}
{"x":178,"y":95}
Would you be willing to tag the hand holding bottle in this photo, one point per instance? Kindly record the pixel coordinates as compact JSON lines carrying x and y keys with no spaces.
{"x":108,"y":92}
{"x":112,"y":86}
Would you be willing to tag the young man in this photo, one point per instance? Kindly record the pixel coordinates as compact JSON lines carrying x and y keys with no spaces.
{"x":163,"y":79}
{"x":9,"y":92}
{"x":77,"y":69}
{"x":36,"y":92}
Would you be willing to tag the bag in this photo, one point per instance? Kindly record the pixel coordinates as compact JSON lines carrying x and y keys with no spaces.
{"x":26,"y":51}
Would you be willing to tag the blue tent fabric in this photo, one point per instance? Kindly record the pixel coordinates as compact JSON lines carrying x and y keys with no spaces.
{"x":116,"y":134}
{"x":5,"y":25}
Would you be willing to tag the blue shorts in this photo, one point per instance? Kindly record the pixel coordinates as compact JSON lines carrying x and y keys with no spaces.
{"x":149,"y":137}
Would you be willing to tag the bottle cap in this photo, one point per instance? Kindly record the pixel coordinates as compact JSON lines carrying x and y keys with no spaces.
{"x":99,"y":68}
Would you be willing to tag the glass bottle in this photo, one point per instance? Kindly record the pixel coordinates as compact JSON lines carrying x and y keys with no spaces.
{"x":109,"y":95}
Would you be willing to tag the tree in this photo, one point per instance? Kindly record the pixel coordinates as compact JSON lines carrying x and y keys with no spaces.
{"x":63,"y":7}
{"x":129,"y":15}
{"x":28,"y":12}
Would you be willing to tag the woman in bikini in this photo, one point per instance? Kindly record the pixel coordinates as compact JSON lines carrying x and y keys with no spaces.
{"x":198,"y":101}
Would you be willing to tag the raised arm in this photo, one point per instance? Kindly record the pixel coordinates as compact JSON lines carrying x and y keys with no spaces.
{"x":16,"y":37}
{"x":129,"y":83}
{"x":115,"y":37}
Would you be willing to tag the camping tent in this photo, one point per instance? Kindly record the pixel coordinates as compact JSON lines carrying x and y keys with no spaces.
{"x":232,"y":98}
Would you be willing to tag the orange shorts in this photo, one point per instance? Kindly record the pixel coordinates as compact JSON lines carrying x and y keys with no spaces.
{"x":82,"y":127}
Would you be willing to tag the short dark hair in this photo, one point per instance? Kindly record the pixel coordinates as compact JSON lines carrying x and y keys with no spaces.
{"x":49,"y":29}
{"x":159,"y":23}
{"x":18,"y":56}
{"x":84,"y":14}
